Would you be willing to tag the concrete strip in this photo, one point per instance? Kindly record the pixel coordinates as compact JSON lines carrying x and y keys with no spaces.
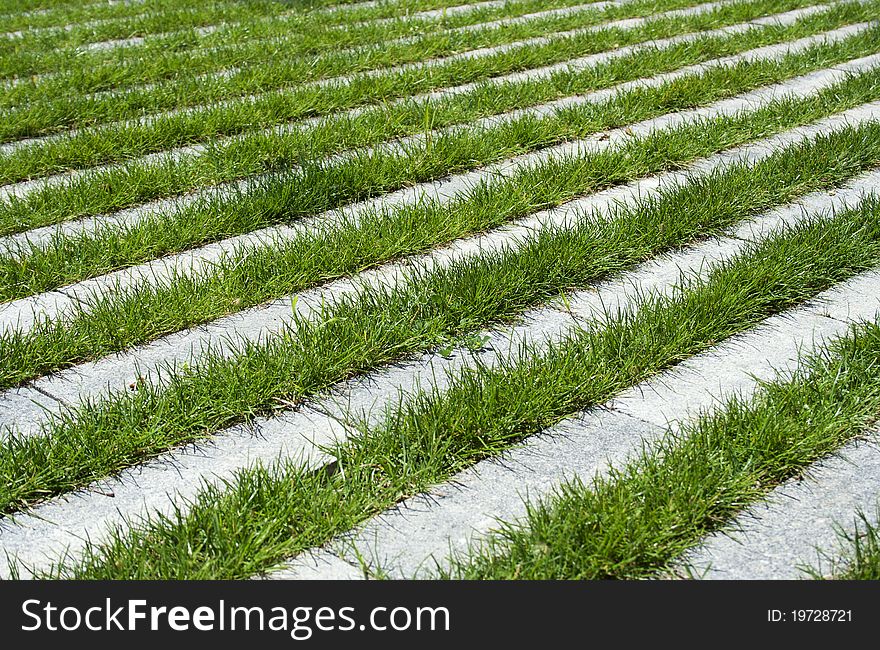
{"x":421,"y":532}
{"x":140,"y":40}
{"x":116,"y":372}
{"x":62,"y":524}
{"x":21,"y":33}
{"x":320,"y":566}
{"x":797,"y":526}
{"x":537,"y":15}
{"x":28,"y":407}
{"x":667,"y":402}
{"x":427,"y":14}
{"x":430,"y":14}
{"x":23,"y":314}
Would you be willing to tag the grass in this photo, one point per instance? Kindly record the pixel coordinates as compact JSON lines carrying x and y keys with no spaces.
{"x":68,"y":259}
{"x":77,"y":110}
{"x":303,"y":34}
{"x":269,"y":22}
{"x":264,"y":153}
{"x":72,"y":108}
{"x":170,"y":18}
{"x":265,"y":514}
{"x":247,"y":141}
{"x":116,"y":142}
{"x":860,"y":555}
{"x":163,"y":57}
{"x":635,"y":521}
{"x":378,"y":326}
{"x":59,"y":17}
{"x":121,"y":319}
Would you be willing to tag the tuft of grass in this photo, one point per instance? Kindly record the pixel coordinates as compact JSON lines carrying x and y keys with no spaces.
{"x":860,"y":554}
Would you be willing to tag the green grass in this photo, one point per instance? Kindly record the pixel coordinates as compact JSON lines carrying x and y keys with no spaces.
{"x":636,"y":521}
{"x":49,"y":50}
{"x":139,"y":181}
{"x":382,"y":325}
{"x":16,"y":6}
{"x":81,"y":12}
{"x":266,"y":514}
{"x":154,"y":22}
{"x":297,"y":149}
{"x":114,"y":143}
{"x":68,"y":259}
{"x":70,"y":107}
{"x":118,"y":320}
{"x":161,"y":57}
{"x":860,"y":557}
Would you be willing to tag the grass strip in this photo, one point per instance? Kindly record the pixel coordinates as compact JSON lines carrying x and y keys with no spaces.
{"x":65,"y":32}
{"x":120,"y":319}
{"x":380,"y":325}
{"x":115,"y":143}
{"x":135,"y":182}
{"x":266,"y":514}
